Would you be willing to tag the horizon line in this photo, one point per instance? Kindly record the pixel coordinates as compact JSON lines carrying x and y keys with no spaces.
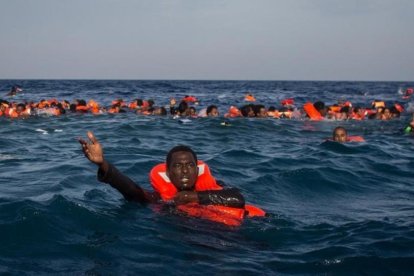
{"x":235,"y":80}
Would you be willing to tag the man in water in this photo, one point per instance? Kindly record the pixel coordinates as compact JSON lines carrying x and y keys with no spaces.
{"x":14,"y":90}
{"x":340,"y":135}
{"x":410,"y":127}
{"x":181,"y":169}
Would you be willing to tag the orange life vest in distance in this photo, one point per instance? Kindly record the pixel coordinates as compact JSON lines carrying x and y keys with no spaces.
{"x":233,"y":112}
{"x":311,"y":111}
{"x":190,"y":99}
{"x":82,"y":108}
{"x":205,"y":181}
{"x":377,"y":104}
{"x":288,"y":101}
{"x":358,"y":117}
{"x":335,"y":109}
{"x":249,"y":98}
{"x":355,"y":139}
{"x":13,"y":113}
{"x":399,"y":107}
{"x":133,"y":105}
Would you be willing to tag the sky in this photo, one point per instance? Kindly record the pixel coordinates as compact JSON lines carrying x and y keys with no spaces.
{"x":207,"y":39}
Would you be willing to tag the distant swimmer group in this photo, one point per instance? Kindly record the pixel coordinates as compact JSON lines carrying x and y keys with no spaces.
{"x":186,"y":109}
{"x":317,"y":111}
{"x":183,"y":182}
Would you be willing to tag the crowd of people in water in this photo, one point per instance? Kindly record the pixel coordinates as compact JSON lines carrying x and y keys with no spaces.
{"x":187,"y":108}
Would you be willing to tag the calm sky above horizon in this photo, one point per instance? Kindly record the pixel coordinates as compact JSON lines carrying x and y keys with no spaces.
{"x":207,"y":39}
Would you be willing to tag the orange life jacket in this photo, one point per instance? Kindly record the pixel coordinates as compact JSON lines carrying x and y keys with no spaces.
{"x":399,"y":107}
{"x":377,"y":104}
{"x":93,"y":104}
{"x":355,"y":139}
{"x":113,"y":110}
{"x":358,"y":117}
{"x":43,"y":104}
{"x":205,"y":181}
{"x":51,"y":101}
{"x":249,"y":98}
{"x":311,"y":111}
{"x":233,"y":112}
{"x":335,"y":109}
{"x":145,"y":104}
{"x":190,"y":99}
{"x":289,"y":101}
{"x":13,"y":113}
{"x":272,"y":114}
{"x":133,"y":105}
{"x":82,"y":108}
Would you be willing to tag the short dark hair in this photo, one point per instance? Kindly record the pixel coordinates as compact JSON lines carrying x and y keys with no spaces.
{"x":210,"y":108}
{"x":81,"y":102}
{"x":182,"y":107}
{"x":256,"y":108}
{"x":245,"y":109}
{"x":177,"y":149}
{"x":139,"y":102}
{"x":319,"y":105}
{"x":345,"y":109}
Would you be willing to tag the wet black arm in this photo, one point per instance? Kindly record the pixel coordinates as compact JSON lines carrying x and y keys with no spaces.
{"x":128,"y":188}
{"x":227,"y":197}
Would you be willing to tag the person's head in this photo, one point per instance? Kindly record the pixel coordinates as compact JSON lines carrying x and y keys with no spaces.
{"x":192,"y":111}
{"x":115,"y":108}
{"x":81,"y":103}
{"x":320,"y":107}
{"x":386,"y":114}
{"x":247,"y":110}
{"x":20,"y":108}
{"x":182,"y":167}
{"x":259,"y":110}
{"x":271,"y":109}
{"x":139,"y":102}
{"x":72,"y":107}
{"x":183,"y":107}
{"x":339,"y":134}
{"x":212,"y":111}
{"x":161,"y":111}
{"x":61,"y":109}
{"x":395,"y":113}
{"x":4,"y":105}
{"x":150,"y":102}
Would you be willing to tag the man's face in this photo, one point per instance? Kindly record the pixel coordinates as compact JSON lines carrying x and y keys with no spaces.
{"x":183,"y":170}
{"x":214,"y":112}
{"x":340,"y":136}
{"x":19,"y":109}
{"x":262,"y":112}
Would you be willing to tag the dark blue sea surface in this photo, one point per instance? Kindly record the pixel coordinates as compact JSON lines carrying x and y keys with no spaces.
{"x":334,"y":208}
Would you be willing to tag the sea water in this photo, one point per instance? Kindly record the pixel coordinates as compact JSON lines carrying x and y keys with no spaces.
{"x":334,"y":208}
